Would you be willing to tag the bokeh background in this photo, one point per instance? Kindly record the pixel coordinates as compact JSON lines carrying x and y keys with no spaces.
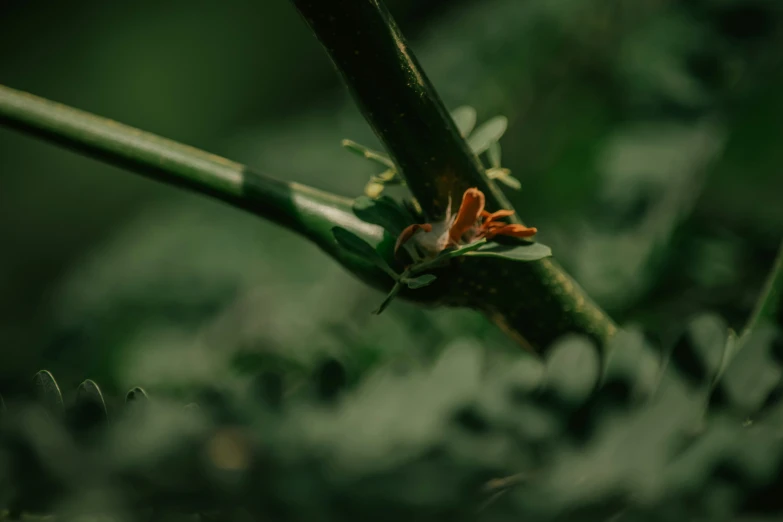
{"x":646,"y":136}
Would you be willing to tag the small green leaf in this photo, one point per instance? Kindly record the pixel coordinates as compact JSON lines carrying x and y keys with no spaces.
{"x":372,"y":155}
{"x":136,"y":395}
{"x":89,"y":410}
{"x":383,"y":211}
{"x":394,"y":291}
{"x":493,"y":152}
{"x":420,"y":282}
{"x":487,"y":133}
{"x":359,"y":247}
{"x":530,"y":252}
{"x":465,"y":119}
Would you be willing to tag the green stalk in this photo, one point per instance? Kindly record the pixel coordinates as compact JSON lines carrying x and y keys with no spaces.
{"x":398,"y":101}
{"x":534,"y":302}
{"x":305,"y":210}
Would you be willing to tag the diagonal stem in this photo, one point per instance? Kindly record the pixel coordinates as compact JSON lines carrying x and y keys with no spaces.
{"x":305,"y":210}
{"x":398,"y":101}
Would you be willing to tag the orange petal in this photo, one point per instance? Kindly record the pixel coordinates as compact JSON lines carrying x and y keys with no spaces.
{"x":469,"y":211}
{"x":497,"y":215}
{"x":408,"y":233}
{"x":493,"y":225}
{"x":511,"y":230}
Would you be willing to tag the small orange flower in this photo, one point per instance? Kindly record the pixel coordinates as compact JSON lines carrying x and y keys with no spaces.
{"x":471,"y":223}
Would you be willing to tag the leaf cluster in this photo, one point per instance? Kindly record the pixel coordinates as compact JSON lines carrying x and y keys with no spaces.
{"x":483,"y":141}
{"x":640,"y":434}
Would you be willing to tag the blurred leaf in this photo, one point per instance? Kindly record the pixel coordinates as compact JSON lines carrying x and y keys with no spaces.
{"x":572,"y":369}
{"x":631,"y":363}
{"x":387,"y":176}
{"x":504,"y":176}
{"x":48,"y":393}
{"x":372,"y":155}
{"x":700,"y":351}
{"x":531,"y":252}
{"x":510,"y":181}
{"x":269,"y":387}
{"x":465,"y":119}
{"x":89,"y":409}
{"x":769,"y":306}
{"x":136,"y":395}
{"x":493,"y":152}
{"x":373,"y":189}
{"x":378,"y":183}
{"x":752,"y":373}
{"x":487,"y":133}
{"x":331,"y":379}
{"x":419,"y":282}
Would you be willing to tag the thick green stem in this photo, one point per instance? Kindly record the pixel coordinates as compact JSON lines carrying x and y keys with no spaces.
{"x":398,"y":101}
{"x":305,"y":210}
{"x":534,"y":302}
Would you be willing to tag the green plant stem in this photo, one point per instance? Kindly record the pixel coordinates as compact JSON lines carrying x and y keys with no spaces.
{"x":399,"y":102}
{"x":532,"y":309}
{"x":305,"y":210}
{"x":769,"y":307}
{"x":534,"y":302}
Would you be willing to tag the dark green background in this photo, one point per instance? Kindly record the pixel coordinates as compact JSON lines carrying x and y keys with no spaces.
{"x":646,"y":135}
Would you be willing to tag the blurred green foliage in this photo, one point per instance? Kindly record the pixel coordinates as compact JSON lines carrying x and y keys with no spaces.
{"x":470,"y":436}
{"x":645,"y":135}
